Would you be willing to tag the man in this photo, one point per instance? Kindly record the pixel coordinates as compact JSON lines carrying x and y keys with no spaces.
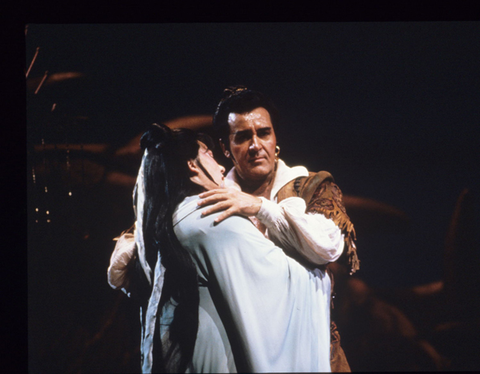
{"x":301,"y":212}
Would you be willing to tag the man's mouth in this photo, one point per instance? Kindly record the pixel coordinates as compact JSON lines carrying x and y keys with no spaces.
{"x":257,"y":159}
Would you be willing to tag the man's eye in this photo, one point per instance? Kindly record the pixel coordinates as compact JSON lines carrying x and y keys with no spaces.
{"x":263,"y":133}
{"x":210,"y":153}
{"x":240,"y":138}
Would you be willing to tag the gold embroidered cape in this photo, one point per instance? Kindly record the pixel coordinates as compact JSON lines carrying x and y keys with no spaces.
{"x":323,"y":196}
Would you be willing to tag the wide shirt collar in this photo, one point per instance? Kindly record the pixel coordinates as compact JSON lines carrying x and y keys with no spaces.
{"x":284,"y":175}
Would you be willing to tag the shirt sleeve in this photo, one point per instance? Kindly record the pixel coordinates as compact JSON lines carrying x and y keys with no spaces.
{"x":311,"y":235}
{"x":125,"y":272}
{"x":121,"y":261}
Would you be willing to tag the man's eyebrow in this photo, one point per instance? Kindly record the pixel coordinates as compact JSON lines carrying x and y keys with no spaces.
{"x":241,"y":132}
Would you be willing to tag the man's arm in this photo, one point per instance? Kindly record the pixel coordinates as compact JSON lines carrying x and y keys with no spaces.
{"x":229,"y":201}
{"x":124,"y":271}
{"x":310,"y":218}
{"x":324,"y":197}
{"x":122,"y":262}
{"x":313,"y":236}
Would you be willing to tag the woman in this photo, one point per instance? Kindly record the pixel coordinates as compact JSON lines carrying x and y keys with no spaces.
{"x":172,"y":287}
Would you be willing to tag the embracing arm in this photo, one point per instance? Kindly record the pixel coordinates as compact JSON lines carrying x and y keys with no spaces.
{"x":310,"y":218}
{"x":122,"y":262}
{"x":124,"y":271}
{"x":313,"y":236}
{"x":324,"y":197}
{"x":323,"y":200}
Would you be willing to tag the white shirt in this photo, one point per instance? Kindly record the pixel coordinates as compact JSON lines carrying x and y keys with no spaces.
{"x":313,"y":236}
{"x":274,"y":310}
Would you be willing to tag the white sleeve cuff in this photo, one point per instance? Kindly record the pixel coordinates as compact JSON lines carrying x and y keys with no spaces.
{"x":269,"y":213}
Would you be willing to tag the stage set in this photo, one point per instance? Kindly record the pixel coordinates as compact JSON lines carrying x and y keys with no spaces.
{"x":389,"y":108}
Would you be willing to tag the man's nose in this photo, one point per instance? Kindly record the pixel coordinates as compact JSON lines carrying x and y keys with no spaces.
{"x":254,"y":145}
{"x":222,"y":169}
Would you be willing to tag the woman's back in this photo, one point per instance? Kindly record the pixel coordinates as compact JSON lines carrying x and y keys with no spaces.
{"x":275,"y":311}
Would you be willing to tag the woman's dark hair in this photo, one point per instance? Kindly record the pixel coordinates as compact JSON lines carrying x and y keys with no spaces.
{"x":239,"y":99}
{"x":167,"y":183}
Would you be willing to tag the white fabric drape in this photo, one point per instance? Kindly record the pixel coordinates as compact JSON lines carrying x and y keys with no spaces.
{"x":276,"y":312}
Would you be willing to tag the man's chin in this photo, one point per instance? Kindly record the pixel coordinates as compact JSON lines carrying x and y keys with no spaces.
{"x":258,"y":173}
{"x":254,"y":172}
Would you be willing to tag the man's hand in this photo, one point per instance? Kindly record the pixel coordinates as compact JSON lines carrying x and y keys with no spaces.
{"x":231,"y":201}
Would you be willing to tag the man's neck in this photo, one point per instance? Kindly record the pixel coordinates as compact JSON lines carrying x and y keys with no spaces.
{"x":257,"y":188}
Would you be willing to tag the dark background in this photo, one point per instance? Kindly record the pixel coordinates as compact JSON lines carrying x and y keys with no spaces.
{"x":391,"y":109}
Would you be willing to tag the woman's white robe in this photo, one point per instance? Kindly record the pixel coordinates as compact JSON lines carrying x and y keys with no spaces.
{"x":275,"y":312}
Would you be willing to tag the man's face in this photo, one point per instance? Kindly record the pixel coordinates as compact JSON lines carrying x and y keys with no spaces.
{"x":205,"y":156}
{"x":252,"y":144}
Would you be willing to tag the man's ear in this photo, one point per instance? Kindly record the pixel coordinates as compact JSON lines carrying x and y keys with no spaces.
{"x":227,"y":153}
{"x":224,"y":150}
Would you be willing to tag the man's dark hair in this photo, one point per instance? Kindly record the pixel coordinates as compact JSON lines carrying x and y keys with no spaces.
{"x":239,"y":99}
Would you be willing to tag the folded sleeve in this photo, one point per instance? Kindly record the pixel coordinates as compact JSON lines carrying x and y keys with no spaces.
{"x":311,"y":235}
{"x":121,"y":261}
